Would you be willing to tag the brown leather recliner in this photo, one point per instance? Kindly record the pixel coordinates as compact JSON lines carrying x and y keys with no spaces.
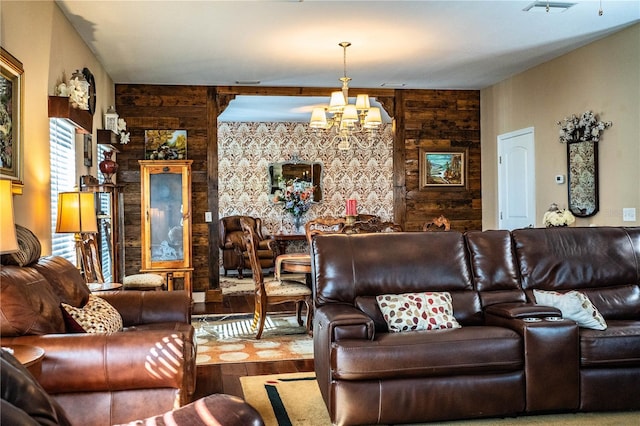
{"x":234,"y":253}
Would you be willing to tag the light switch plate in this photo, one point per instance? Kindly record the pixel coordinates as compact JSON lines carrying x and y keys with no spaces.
{"x":629,"y":214}
{"x":208,"y":217}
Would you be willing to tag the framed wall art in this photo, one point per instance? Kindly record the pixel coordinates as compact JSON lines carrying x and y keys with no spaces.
{"x":165,"y":144}
{"x":11,"y":73}
{"x":88,"y":150}
{"x":443,"y":169}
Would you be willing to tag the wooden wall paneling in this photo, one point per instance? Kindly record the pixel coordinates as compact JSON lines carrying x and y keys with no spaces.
{"x":435,"y":119}
{"x":214,"y":293}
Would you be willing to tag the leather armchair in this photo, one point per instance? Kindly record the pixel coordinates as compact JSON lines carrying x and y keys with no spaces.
{"x":101,"y":378}
{"x":234,"y":253}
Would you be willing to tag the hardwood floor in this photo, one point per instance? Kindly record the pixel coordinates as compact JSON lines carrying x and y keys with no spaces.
{"x":225,"y":378}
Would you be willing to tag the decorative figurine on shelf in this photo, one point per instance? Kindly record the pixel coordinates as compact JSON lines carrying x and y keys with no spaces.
{"x":555,"y":217}
{"x":296,"y":199}
{"x":76,"y":89}
{"x":108,"y":167}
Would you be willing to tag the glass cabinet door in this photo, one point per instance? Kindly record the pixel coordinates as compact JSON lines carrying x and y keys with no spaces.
{"x":166,"y":214}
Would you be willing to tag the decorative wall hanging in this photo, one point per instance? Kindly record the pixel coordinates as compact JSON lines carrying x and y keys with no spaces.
{"x":443,"y":169}
{"x":165,"y":144}
{"x":582,"y":134}
{"x":11,"y":72}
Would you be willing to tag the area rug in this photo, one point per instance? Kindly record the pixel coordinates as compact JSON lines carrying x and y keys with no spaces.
{"x":230,"y":338}
{"x":233,"y":286}
{"x":294,"y":399}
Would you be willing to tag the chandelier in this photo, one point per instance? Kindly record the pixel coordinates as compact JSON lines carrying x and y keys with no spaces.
{"x":346,"y":120}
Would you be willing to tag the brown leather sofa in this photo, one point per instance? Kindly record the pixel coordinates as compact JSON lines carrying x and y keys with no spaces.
{"x":510,"y":356}
{"x":100,"y":379}
{"x":25,"y":402}
{"x":234,"y":253}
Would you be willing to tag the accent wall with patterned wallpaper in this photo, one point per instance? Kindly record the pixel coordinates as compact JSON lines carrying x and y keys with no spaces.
{"x":245,"y":151}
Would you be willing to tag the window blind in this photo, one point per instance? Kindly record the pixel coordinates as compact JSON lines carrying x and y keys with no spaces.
{"x":63,"y":178}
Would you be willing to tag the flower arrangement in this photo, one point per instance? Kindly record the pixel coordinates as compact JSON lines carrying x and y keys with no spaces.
{"x":296,"y":198}
{"x":557,"y":217}
{"x":122,"y":131}
{"x":586,"y":128}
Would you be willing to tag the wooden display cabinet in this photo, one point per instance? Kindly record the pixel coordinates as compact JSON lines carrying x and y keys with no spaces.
{"x":166,"y":219}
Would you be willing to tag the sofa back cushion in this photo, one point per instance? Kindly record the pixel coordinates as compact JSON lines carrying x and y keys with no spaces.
{"x":29,"y":305}
{"x":601,"y":262}
{"x":494,"y":267}
{"x":353,"y":269}
{"x":65,"y":280}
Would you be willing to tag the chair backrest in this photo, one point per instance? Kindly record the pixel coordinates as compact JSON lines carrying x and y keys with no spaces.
{"x":324,"y":225}
{"x":371,"y":226}
{"x":91,"y":260}
{"x":251,"y":245}
{"x":439,"y":223}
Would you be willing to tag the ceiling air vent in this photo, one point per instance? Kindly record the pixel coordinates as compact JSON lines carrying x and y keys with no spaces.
{"x":548,"y":6}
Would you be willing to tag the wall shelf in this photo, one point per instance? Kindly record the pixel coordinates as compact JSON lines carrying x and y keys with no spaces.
{"x":60,"y":107}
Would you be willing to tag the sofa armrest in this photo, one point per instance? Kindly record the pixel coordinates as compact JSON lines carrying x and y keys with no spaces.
{"x":519,"y":310}
{"x":552,"y":358}
{"x":337,"y":322}
{"x":86,"y":362}
{"x":148,"y":307}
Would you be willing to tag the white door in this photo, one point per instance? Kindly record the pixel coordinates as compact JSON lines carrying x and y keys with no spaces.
{"x":516,"y":180}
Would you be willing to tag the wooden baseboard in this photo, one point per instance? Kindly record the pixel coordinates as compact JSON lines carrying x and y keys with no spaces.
{"x":213,"y":296}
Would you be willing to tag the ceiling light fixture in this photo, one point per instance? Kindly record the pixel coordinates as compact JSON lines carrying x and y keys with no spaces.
{"x":346,"y":120}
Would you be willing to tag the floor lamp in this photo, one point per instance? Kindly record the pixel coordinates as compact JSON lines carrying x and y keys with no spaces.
{"x":8,"y":240}
{"x":77,"y":215}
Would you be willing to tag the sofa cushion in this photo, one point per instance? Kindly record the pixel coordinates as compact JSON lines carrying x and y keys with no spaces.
{"x":574,"y":306}
{"x":29,"y":251}
{"x":617,"y":346}
{"x":417,"y":311}
{"x":97,"y":316}
{"x":28,"y":303}
{"x":65,"y":280}
{"x":460,"y":351}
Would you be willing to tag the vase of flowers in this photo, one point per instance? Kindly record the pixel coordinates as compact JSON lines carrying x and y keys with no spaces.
{"x":296,"y":199}
{"x":555,"y":217}
{"x":586,"y":128}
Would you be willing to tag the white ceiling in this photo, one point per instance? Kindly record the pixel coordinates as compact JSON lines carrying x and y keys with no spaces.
{"x":418,"y":44}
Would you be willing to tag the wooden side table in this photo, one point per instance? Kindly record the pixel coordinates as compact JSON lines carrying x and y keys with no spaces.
{"x":283,"y":240}
{"x":29,"y":356}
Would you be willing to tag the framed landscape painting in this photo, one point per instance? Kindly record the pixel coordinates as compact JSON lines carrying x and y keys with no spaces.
{"x":443,"y":169}
{"x":165,"y":144}
{"x":11,"y":72}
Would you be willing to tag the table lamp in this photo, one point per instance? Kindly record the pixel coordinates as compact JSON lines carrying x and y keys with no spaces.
{"x":77,"y":215}
{"x":8,"y":240}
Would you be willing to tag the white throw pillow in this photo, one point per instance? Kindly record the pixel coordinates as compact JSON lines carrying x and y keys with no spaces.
{"x":574,"y":306}
{"x":417,"y":311}
{"x":97,"y":316}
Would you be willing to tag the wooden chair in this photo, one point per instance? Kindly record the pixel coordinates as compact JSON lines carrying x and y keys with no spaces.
{"x":439,"y":223}
{"x":372,"y":225}
{"x":91,"y":264}
{"x":92,"y":268}
{"x":234,"y":254}
{"x":272,"y":292}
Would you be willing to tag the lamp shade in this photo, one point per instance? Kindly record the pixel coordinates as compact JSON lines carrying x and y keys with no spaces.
{"x":76,"y":213}
{"x":337,"y":101}
{"x":350,"y":114}
{"x":8,"y":241}
{"x":373,"y":118}
{"x":362,"y":102}
{"x":318,"y":118}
